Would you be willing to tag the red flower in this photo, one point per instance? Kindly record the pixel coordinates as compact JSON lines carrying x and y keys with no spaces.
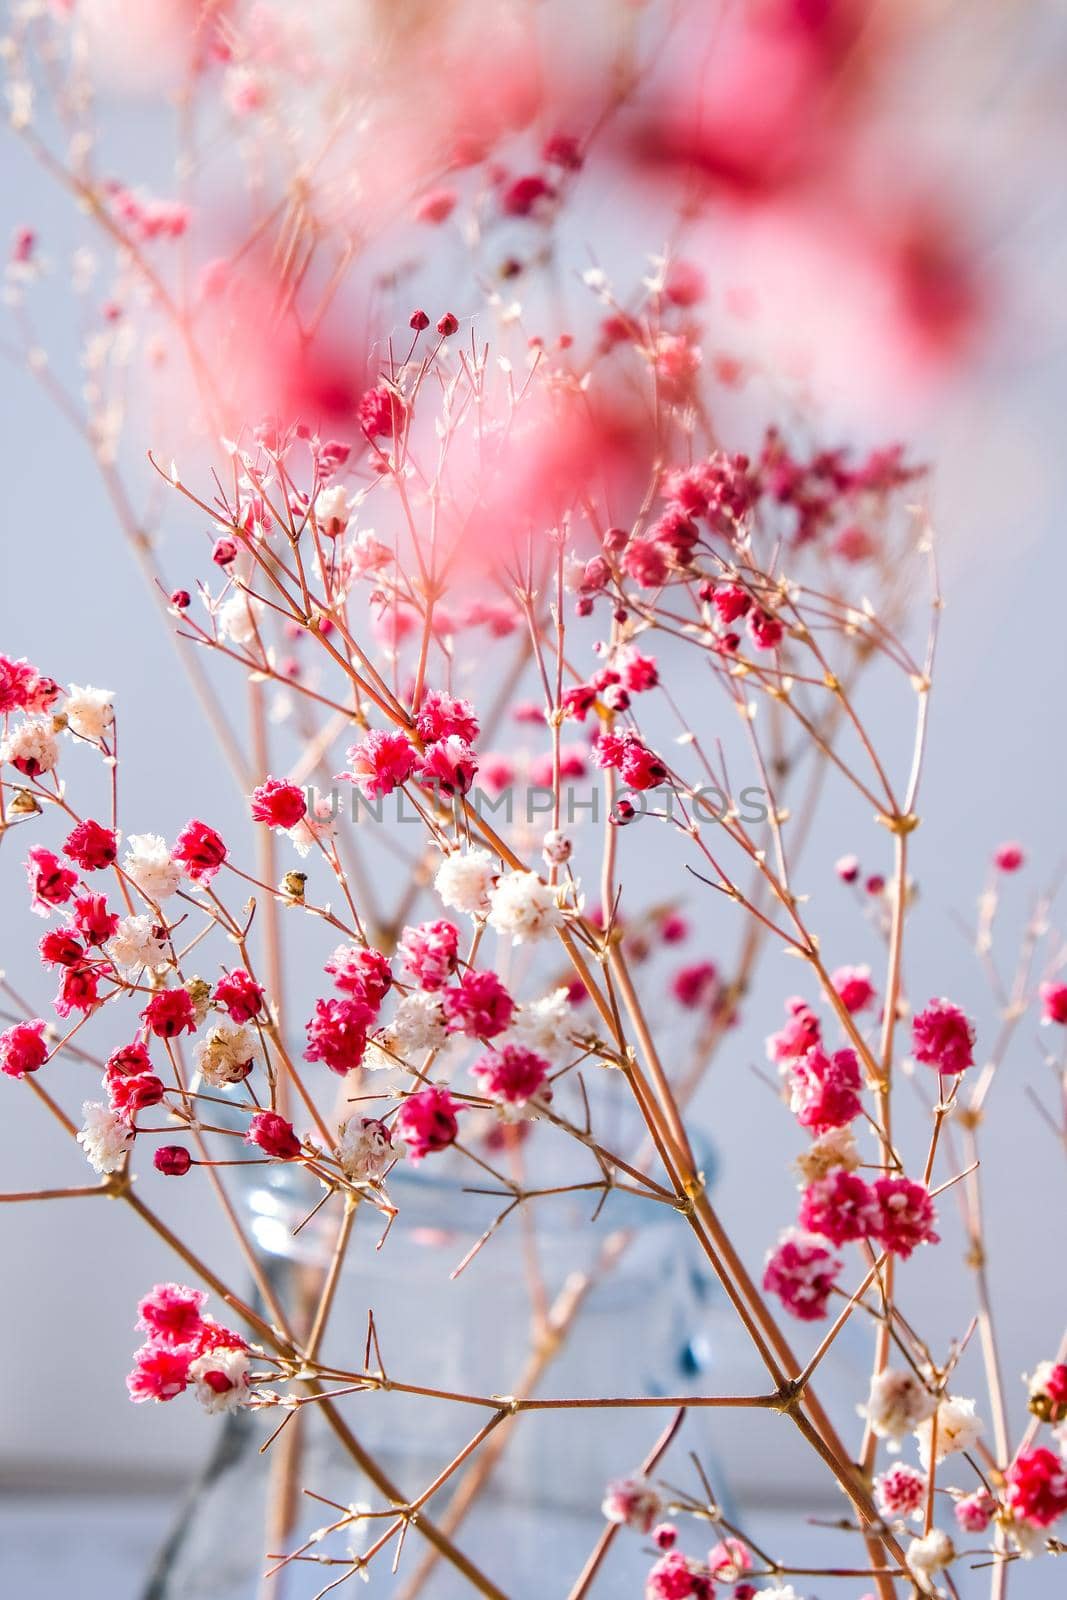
{"x":200,"y":850}
{"x":802,"y":1271}
{"x":169,"y":1013}
{"x":639,"y":767}
{"x":442,"y":714}
{"x":695,"y":985}
{"x":800,"y":1034}
{"x":380,"y":411}
{"x":127,"y":1095}
{"x":273,"y":1135}
{"x":841,"y":1207}
{"x":430,"y":952}
{"x":380,"y":763}
{"x":1054,"y":1002}
{"x":337,"y":1034}
{"x":239,"y":995}
{"x":511,"y":1075}
{"x":764,"y":630}
{"x":51,"y":883}
{"x":60,"y":949}
{"x":825,"y":1089}
{"x":79,"y":989}
{"x":449,"y":765}
{"x":943,"y":1038}
{"x":170,"y":1314}
{"x":160,"y":1372}
{"x":854,"y":986}
{"x":279,"y":804}
{"x":363,"y":973}
{"x":521,"y":195}
{"x":93,"y":920}
{"x":130,"y":1061}
{"x":907,"y":1215}
{"x":1037,"y":1488}
{"x":1008,"y":857}
{"x":22,"y":1048}
{"x":91,"y":846}
{"x":426,"y":1122}
{"x":172,"y":1160}
{"x":478,"y":1006}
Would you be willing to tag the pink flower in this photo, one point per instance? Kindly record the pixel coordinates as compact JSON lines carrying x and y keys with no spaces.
{"x":764,"y":629}
{"x":665,"y":1536}
{"x":130,"y":1060}
{"x":639,"y":767}
{"x":51,"y":883}
{"x":847,"y":868}
{"x":1036,"y":1490}
{"x":436,"y":207}
{"x":639,"y":673}
{"x":127,"y":1094}
{"x":170,"y":1313}
{"x":695,"y":985}
{"x":478,"y":1006}
{"x":169,"y":1013}
{"x":79,"y":989}
{"x":22,"y":1048}
{"x":430,"y":952}
{"x":239,"y":995}
{"x":1054,"y":1002}
{"x":975,"y":1511}
{"x":678,"y":1577}
{"x":731,"y":602}
{"x":273,"y":1135}
{"x":160,"y":1372}
{"x":841,"y":1207}
{"x":522,"y":195}
{"x":20,"y":687}
{"x":728,"y":1560}
{"x":60,"y":949}
{"x":337,"y":1034}
{"x":854,"y":986}
{"x":631,"y":1503}
{"x":279,"y":804}
{"x":1008,"y":857}
{"x":511,"y":1075}
{"x":426,"y":1122}
{"x":801,"y":1033}
{"x":449,"y":765}
{"x":900,"y":1490}
{"x":824,"y":1090}
{"x":802,"y":1271}
{"x":200,"y":850}
{"x":361,"y":972}
{"x":380,"y":762}
{"x":380,"y":411}
{"x":907,"y":1215}
{"x":92,"y":919}
{"x":943,"y":1038}
{"x":442,"y":714}
{"x":646,"y":563}
{"x":91,"y":846}
{"x":172,"y":1160}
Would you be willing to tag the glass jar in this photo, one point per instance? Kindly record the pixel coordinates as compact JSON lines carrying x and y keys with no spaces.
{"x":554,"y":1304}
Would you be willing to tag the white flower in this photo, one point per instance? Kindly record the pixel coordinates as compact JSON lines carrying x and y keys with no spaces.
{"x":331,"y":510}
{"x":931,"y":1554}
{"x":464,"y":880}
{"x":524,"y":907}
{"x":419,"y":1024}
{"x":365,"y":1148}
{"x":31,"y":744}
{"x":898,"y":1403}
{"x":89,"y":711}
{"x":229,"y":1370}
{"x":236,"y":617}
{"x":318,"y":826}
{"x":150,"y":864}
{"x":835,"y":1149}
{"x":786,"y":1592}
{"x":105,"y":1138}
{"x":543,"y":1025}
{"x":134,"y":945}
{"x":225,"y":1055}
{"x":957,"y":1429}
